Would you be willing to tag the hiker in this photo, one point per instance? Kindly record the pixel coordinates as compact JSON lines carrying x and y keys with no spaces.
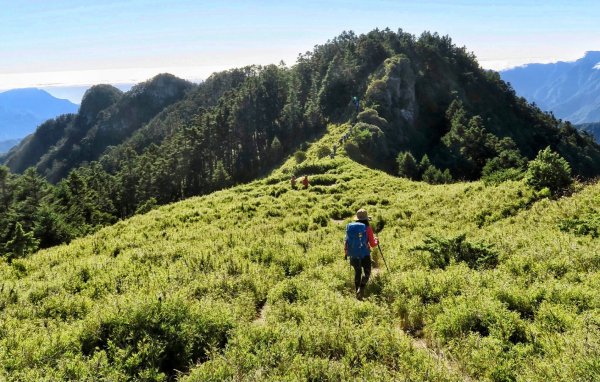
{"x":357,"y":245}
{"x":293,"y":181}
{"x":356,"y":103}
{"x":305,"y":182}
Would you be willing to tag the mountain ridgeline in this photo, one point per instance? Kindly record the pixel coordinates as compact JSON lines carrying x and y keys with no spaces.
{"x":168,"y":139}
{"x":571,"y":90}
{"x":22,"y":110}
{"x":591,"y":128}
{"x":106,"y":117}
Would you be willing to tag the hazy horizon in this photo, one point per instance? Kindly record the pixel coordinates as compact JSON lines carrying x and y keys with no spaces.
{"x":72,"y":43}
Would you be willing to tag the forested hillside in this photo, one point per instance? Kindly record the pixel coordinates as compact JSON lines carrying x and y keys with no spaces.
{"x":106,"y":117}
{"x":426,"y":111}
{"x":485,"y":282}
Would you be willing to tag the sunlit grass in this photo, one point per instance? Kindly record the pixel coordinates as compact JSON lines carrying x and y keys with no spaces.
{"x":250,"y":284}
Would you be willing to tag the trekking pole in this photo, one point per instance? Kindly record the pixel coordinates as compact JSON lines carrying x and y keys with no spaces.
{"x":380,"y":251}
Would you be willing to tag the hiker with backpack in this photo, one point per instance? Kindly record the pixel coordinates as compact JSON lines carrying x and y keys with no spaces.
{"x":357,"y":246}
{"x":356,"y":103}
{"x":305,"y":182}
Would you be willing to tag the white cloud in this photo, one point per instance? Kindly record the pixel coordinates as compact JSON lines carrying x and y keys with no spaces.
{"x":597,"y":66}
{"x":102,"y":76}
{"x":500,"y":65}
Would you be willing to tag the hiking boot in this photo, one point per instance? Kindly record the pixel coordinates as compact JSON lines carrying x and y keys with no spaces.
{"x":360,"y":293}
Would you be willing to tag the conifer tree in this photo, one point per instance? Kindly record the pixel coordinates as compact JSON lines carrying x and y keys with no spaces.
{"x":21,"y":244}
{"x":407,"y":165}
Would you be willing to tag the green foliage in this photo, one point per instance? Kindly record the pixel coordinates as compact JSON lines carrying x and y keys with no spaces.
{"x":504,"y":175}
{"x":313,"y":168}
{"x":21,"y":244}
{"x":323,"y":151}
{"x":433,"y":175}
{"x":221,"y":178}
{"x":250,"y":281}
{"x":407,"y":165}
{"x":371,"y":117}
{"x":588,"y":224}
{"x":169,"y":139}
{"x":443,"y":251}
{"x":276,"y":150}
{"x":252,"y":277}
{"x":549,"y":170}
{"x":147,"y":206}
{"x":299,"y":156}
{"x":371,"y":144}
{"x":468,"y":141}
{"x":156,"y":338}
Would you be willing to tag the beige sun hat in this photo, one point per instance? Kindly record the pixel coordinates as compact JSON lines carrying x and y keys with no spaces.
{"x":362,"y":215}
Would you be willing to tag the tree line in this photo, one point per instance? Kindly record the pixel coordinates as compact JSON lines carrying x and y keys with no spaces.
{"x":420,"y":98}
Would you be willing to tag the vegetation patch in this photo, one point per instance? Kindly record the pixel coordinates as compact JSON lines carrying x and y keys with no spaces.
{"x":444,"y":251}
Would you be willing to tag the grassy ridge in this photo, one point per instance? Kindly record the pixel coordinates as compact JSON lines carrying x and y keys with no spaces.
{"x":250,"y":284}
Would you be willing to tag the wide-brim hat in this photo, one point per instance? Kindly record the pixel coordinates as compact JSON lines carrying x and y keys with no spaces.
{"x":362,"y":215}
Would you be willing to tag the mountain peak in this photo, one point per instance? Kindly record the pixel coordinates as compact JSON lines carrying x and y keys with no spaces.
{"x":25,"y":97}
{"x":21,"y":110}
{"x":568,"y":89}
{"x":592,"y":55}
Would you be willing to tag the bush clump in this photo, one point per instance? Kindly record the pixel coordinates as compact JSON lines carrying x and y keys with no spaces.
{"x":586,"y":225}
{"x":300,"y":156}
{"x":157,"y":338}
{"x":323,"y":151}
{"x":444,"y":251}
{"x":549,"y":170}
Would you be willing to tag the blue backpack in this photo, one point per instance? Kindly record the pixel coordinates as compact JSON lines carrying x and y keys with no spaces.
{"x":356,"y":237}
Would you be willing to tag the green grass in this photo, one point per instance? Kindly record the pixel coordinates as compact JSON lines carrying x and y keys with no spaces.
{"x":250,"y":284}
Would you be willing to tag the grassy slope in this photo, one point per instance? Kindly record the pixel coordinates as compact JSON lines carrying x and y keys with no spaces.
{"x":250,"y":283}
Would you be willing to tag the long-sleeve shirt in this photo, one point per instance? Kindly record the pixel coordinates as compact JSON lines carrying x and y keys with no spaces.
{"x":373,"y":241}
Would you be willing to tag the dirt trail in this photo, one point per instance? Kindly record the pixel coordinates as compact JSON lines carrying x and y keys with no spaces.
{"x":261,"y":316}
{"x":443,"y":359}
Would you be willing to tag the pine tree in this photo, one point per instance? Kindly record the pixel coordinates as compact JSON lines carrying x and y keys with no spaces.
{"x":407,"y":165}
{"x":221,"y":178}
{"x":549,"y":170}
{"x":21,"y":244}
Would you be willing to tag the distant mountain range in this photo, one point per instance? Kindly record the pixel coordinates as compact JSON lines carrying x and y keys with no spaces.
{"x":571,"y":90}
{"x":592,"y":128}
{"x":7,"y":145}
{"x":22,"y":110}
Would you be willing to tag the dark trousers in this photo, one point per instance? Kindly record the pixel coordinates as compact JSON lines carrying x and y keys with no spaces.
{"x":359,"y":265}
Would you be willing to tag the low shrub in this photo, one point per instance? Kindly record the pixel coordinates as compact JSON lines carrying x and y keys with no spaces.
{"x":549,"y":170}
{"x":157,"y":337}
{"x":444,"y":251}
{"x":587,"y":225}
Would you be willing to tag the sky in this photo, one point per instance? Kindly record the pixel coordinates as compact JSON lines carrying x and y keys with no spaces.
{"x":64,"y":46}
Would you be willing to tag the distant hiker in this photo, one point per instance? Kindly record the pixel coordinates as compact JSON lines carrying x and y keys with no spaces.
{"x":293,"y":181}
{"x":357,"y":245}
{"x":356,"y":103}
{"x":305,"y":182}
